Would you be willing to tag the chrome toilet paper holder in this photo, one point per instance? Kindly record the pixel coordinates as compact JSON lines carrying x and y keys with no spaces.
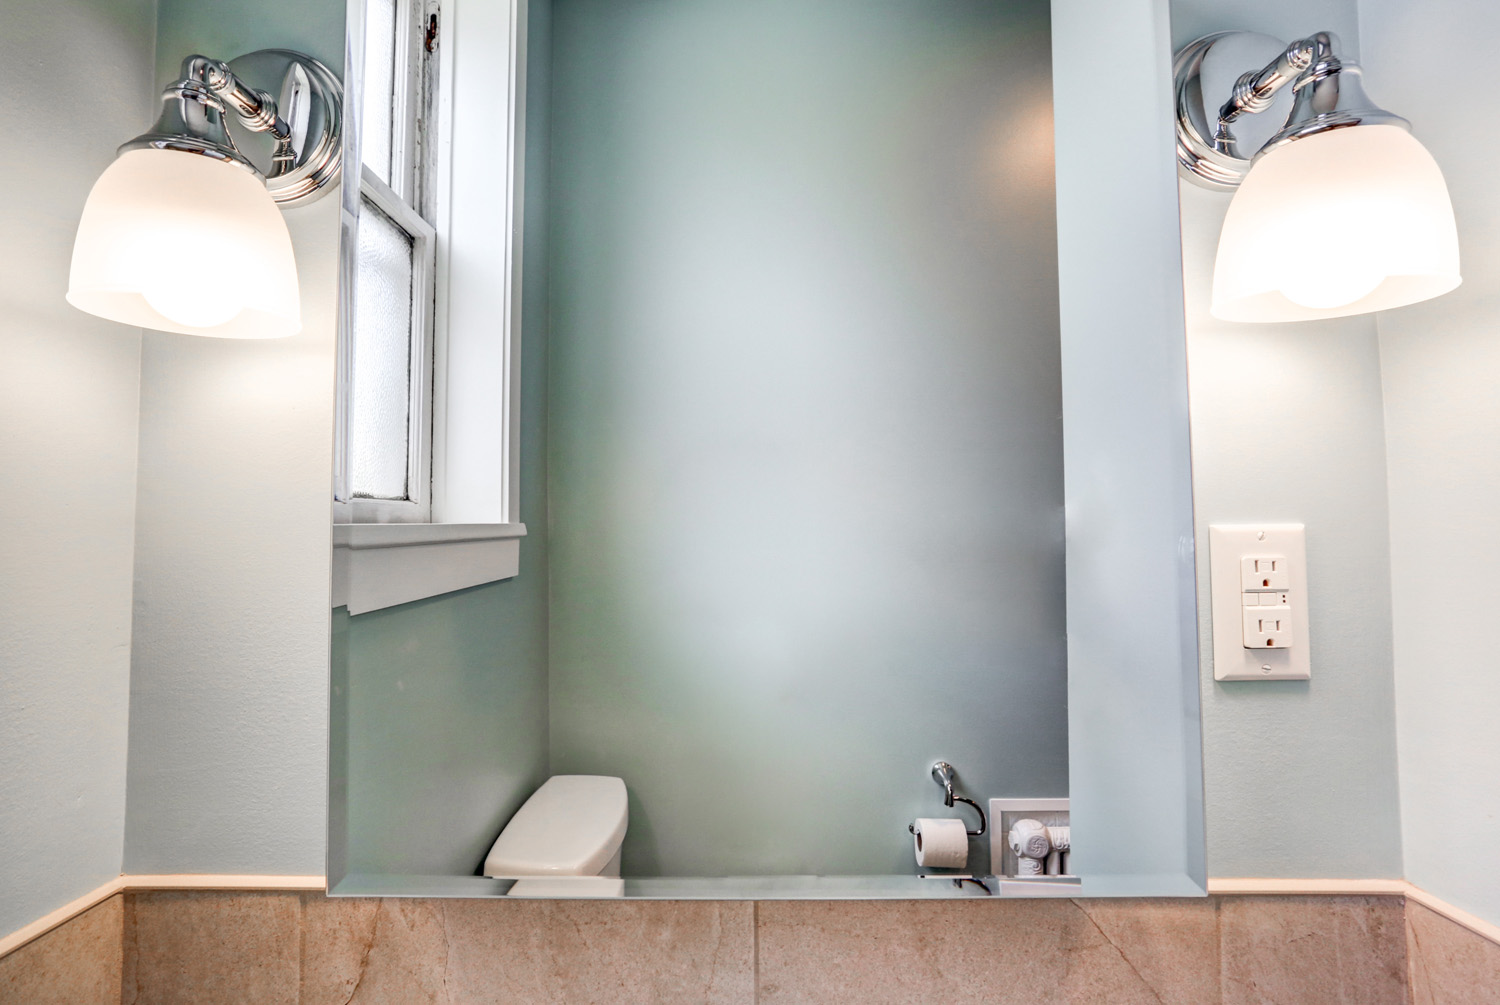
{"x":942,"y":773}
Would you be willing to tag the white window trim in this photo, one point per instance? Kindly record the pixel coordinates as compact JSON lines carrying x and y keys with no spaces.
{"x":379,"y":565}
{"x":417,"y":508}
{"x":382,"y":564}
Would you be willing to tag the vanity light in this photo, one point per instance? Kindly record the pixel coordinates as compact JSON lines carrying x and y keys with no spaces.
{"x":1341,"y":211}
{"x":182,"y":233}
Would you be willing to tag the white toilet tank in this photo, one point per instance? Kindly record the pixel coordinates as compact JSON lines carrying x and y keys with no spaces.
{"x":572,"y":826}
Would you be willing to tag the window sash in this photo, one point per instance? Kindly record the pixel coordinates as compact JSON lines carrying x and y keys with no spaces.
{"x":417,"y":507}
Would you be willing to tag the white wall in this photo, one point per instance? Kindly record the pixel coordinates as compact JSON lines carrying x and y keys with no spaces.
{"x":1430,"y":62}
{"x":69,"y":389}
{"x":229,"y":686}
{"x":1300,"y":776}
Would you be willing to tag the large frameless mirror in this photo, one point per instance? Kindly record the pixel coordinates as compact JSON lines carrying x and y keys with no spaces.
{"x":700,"y":500}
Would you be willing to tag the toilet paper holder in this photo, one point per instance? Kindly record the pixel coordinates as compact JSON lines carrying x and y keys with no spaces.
{"x":942,"y":773}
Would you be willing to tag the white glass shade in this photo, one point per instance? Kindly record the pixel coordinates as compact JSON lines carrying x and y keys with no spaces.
{"x":1344,"y":222}
{"x":184,"y":243}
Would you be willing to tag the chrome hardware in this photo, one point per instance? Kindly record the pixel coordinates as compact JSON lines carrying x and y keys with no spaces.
{"x":958,"y":881}
{"x":1327,"y":93}
{"x":943,"y":774}
{"x":290,"y":139}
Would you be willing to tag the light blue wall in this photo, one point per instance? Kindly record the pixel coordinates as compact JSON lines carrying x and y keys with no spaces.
{"x":229,"y":665}
{"x":440,"y":707}
{"x":1133,"y":740}
{"x":1441,"y":363}
{"x":1287,"y":424}
{"x":806,"y":468}
{"x":69,"y":397}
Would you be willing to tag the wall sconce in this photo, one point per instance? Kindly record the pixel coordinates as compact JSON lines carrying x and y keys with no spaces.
{"x":1339,"y":211}
{"x":182,"y":233}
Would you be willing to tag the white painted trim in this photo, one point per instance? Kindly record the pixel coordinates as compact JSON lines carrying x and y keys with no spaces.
{"x":395,"y":535}
{"x":69,"y":911}
{"x":382,"y":565}
{"x":1218,"y":887}
{"x":1355,"y":888}
{"x":215,"y":881}
{"x":122,"y":884}
{"x":1477,"y":925}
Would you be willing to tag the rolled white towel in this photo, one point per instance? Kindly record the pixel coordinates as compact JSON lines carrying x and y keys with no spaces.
{"x":1028,"y":866}
{"x":1029,"y":838}
{"x":1054,"y":863}
{"x":1060,"y":838}
{"x":1067,"y":864}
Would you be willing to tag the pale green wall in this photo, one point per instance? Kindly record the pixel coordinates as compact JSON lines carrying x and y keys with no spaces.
{"x":1299,"y":776}
{"x":440,"y":706}
{"x":69,"y":407}
{"x":1441,"y":364}
{"x":805,"y":433}
{"x":229,"y":655}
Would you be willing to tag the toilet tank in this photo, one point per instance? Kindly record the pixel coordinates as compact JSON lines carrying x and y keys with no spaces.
{"x":572,"y":826}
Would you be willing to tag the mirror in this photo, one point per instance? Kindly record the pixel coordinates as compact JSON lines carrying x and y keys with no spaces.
{"x":790,"y":445}
{"x":742,"y":472}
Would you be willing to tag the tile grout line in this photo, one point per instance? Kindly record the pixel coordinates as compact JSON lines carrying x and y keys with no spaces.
{"x":755,"y":952}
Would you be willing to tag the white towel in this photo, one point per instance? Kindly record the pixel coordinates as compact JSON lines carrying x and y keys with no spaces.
{"x":1060,"y":837}
{"x":1028,"y":866}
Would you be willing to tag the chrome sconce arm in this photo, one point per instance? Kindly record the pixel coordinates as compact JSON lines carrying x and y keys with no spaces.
{"x":1327,"y":93}
{"x":289,"y":139}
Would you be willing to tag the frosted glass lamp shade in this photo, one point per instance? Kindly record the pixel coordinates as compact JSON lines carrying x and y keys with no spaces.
{"x":1342,"y":222}
{"x":182,"y":242}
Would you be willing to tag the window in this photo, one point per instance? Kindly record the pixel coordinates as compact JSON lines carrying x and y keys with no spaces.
{"x":386,"y":386}
{"x":427,"y":469}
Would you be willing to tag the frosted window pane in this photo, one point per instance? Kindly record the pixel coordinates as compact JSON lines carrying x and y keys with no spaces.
{"x":380,"y":385}
{"x":380,"y":75}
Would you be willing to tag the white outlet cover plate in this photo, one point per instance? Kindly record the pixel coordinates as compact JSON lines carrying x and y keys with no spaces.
{"x":1227,"y":544}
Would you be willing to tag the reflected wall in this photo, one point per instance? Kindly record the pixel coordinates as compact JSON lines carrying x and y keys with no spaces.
{"x":805,"y":444}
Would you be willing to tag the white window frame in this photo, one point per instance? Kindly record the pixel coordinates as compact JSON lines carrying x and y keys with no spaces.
{"x":404,"y":200}
{"x":385,"y":554}
{"x":417,"y":507}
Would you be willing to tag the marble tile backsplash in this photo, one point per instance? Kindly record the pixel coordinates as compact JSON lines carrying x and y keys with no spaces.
{"x":159,"y":948}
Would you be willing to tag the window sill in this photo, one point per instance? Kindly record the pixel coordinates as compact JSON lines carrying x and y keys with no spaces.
{"x":378,"y":565}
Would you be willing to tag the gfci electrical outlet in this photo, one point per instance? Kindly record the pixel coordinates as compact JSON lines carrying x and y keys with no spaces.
{"x":1258,"y":582}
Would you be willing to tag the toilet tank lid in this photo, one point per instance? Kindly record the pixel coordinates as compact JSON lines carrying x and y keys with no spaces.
{"x":571,"y":826}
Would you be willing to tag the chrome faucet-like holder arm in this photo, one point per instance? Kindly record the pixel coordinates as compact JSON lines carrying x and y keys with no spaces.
{"x":943,"y":774}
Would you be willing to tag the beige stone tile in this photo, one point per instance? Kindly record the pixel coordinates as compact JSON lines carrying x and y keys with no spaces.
{"x":372,"y":952}
{"x":1312,"y":950}
{"x":214,"y":947}
{"x":526,"y":952}
{"x":77,"y":963}
{"x":1172,"y":944}
{"x":963,"y":951}
{"x":1449,"y":964}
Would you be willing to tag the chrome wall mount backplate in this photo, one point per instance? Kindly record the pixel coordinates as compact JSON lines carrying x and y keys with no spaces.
{"x":310,"y":98}
{"x":1205,"y":73}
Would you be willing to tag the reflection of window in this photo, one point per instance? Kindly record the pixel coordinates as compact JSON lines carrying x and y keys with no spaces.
{"x":385,"y":469}
{"x":427,"y":459}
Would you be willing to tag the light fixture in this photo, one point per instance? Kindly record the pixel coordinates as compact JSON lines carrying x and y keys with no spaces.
{"x":182,"y":233}
{"x":1337,"y":211}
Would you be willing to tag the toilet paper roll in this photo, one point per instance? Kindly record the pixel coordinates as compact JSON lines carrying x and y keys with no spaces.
{"x":941,"y":843}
